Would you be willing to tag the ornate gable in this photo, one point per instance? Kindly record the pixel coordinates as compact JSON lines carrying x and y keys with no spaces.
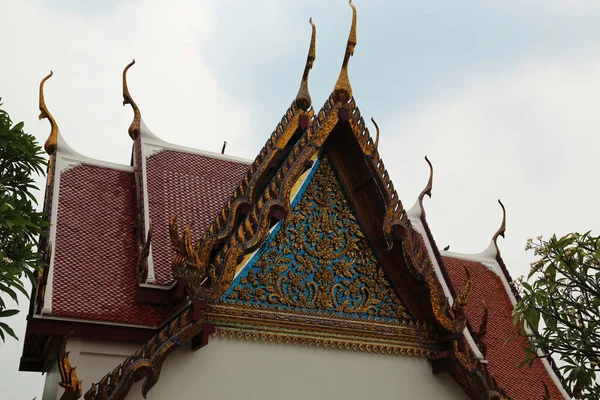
{"x":315,"y":280}
{"x":318,"y":262}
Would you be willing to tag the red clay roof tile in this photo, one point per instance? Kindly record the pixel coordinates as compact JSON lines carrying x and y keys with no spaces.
{"x":94,"y":266}
{"x":193,"y":187}
{"x":503,"y":360}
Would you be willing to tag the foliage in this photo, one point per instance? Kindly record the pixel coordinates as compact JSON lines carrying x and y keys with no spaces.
{"x":559,"y":309}
{"x":20,"y":224}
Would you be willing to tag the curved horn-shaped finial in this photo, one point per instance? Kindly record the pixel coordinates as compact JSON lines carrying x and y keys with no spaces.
{"x":376,"y":144}
{"x":134,"y":128}
{"x":427,"y":189}
{"x":303,"y":100}
{"x":502,"y":229}
{"x":343,"y":89}
{"x":52,"y":140}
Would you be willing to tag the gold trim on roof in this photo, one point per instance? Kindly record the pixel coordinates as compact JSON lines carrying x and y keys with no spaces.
{"x":343,"y":89}
{"x":68,"y":376}
{"x":303,"y":100}
{"x":480,"y":336}
{"x":144,"y":252}
{"x":134,"y":128}
{"x":146,"y":363}
{"x":52,"y":141}
{"x":463,"y":297}
{"x":324,"y":342}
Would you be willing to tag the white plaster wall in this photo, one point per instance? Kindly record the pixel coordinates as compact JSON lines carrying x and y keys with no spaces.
{"x":51,"y":388}
{"x":240,"y":369}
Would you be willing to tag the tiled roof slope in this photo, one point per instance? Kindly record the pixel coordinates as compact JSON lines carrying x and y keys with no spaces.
{"x":503,"y":360}
{"x":94,"y":266}
{"x":191,"y":186}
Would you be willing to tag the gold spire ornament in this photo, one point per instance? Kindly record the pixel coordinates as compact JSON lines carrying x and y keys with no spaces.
{"x":343,"y":90}
{"x":427,"y":189}
{"x":52,"y":141}
{"x":502,"y":229}
{"x":134,"y":128}
{"x":303,"y":100}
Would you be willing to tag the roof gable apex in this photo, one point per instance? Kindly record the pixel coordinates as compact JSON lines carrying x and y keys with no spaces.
{"x":318,"y":261}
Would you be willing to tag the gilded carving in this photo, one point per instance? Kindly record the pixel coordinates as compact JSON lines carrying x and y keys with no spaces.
{"x":187,"y":264}
{"x":319,"y":261}
{"x":147,"y":361}
{"x":134,"y":128}
{"x":223,"y":226}
{"x":143,"y":253}
{"x":502,"y":229}
{"x":324,"y":342}
{"x":427,"y":190}
{"x":52,"y":140}
{"x":68,"y":376}
{"x":480,"y":337}
{"x":343,"y":89}
{"x":303,"y":100}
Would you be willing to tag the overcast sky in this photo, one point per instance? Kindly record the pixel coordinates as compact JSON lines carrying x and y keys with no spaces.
{"x":503,"y":96}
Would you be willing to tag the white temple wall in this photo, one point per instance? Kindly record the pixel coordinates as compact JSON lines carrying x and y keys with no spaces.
{"x":51,"y":389}
{"x":249,"y":370}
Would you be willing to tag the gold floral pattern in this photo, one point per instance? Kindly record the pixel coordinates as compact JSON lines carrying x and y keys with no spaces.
{"x":318,"y":261}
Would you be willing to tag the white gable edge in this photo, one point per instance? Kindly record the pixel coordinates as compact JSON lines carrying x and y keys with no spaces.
{"x":414,"y":215}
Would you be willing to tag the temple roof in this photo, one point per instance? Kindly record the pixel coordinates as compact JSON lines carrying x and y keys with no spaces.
{"x":115,"y":248}
{"x":489,"y":310}
{"x":94,"y":253}
{"x":192,"y":186}
{"x":503,"y":357}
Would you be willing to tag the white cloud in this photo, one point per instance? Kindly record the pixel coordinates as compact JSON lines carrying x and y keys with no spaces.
{"x":529,"y":137}
{"x":179,"y":98}
{"x":537,"y":7}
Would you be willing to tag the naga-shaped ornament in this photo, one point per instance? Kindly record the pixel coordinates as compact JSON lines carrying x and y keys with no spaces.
{"x":68,"y":376}
{"x":187,"y":265}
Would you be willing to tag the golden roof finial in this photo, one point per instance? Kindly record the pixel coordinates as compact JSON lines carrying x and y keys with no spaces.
{"x":303,"y":100}
{"x":502,"y":229}
{"x":52,"y":140}
{"x":343,"y":89}
{"x":134,"y":128}
{"x":427,"y":189}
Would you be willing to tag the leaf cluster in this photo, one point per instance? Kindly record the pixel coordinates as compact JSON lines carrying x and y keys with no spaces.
{"x":21,"y":158}
{"x":559,"y":308}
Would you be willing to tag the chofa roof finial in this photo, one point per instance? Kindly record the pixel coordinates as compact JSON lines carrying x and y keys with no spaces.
{"x":134,"y":128}
{"x":303,"y":100}
{"x":427,"y":189}
{"x":52,"y":140}
{"x":502,"y":229}
{"x":343,"y":89}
